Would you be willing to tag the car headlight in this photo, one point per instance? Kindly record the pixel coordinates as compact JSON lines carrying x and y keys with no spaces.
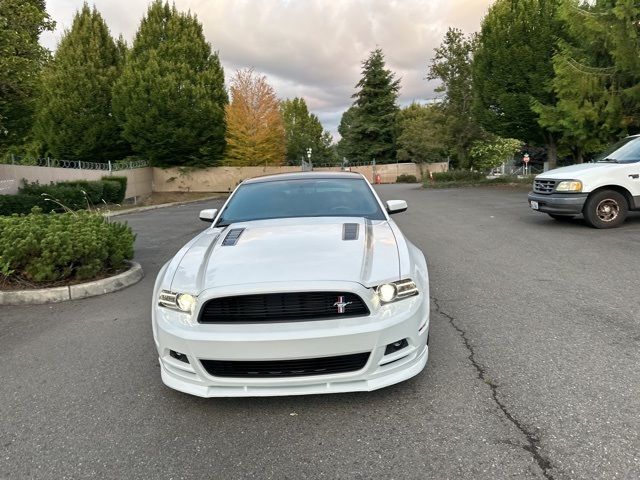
{"x":394,"y":291}
{"x":569,"y":186}
{"x":184,"y":302}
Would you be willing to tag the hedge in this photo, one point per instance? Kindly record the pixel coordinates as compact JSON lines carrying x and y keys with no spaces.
{"x":457,"y":175}
{"x":62,"y":196}
{"x":122,"y":181}
{"x":62,"y":247}
{"x":405,"y":178}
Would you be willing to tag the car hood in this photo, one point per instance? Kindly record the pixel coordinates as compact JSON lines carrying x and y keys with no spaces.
{"x":567,"y":173}
{"x":288,"y":250}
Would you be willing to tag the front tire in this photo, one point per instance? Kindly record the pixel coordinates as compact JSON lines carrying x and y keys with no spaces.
{"x":605,"y":209}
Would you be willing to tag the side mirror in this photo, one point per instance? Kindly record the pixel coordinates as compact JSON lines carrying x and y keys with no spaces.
{"x":208,"y":214}
{"x":396,"y":206}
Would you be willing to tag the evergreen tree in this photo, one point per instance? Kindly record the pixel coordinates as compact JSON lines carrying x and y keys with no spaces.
{"x":513,"y":68}
{"x":255,"y":131}
{"x":452,"y":65}
{"x":170,"y":97}
{"x":74,"y":119}
{"x":21,"y":58}
{"x":347,"y":148}
{"x":597,"y":76}
{"x":303,"y":130}
{"x":371,"y":131}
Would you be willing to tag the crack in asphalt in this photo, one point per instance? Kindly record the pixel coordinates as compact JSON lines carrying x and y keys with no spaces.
{"x":533,"y":446}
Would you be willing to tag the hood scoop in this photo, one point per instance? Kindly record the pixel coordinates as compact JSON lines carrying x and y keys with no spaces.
{"x":232,"y":237}
{"x":350,"y":231}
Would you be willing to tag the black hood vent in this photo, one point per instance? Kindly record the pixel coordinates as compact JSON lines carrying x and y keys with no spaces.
{"x":232,"y":237}
{"x":350,"y":231}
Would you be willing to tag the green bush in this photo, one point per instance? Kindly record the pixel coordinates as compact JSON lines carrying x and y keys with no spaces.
{"x":66,"y":246}
{"x":404,"y":178}
{"x":62,"y":196}
{"x":21,"y":204}
{"x":123,"y":186}
{"x":457,"y":176}
{"x":111,"y":191}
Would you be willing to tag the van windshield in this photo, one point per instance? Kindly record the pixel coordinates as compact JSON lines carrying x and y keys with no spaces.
{"x":626,"y":150}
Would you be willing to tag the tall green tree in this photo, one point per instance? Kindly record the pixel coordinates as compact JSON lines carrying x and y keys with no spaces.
{"x":303,"y":130}
{"x":21,"y":59}
{"x":597,"y":76}
{"x":170,"y":98}
{"x":347,"y":147}
{"x":452,"y":65}
{"x":422,"y":136}
{"x":74,"y":118}
{"x":371,"y":128}
{"x":513,"y":68}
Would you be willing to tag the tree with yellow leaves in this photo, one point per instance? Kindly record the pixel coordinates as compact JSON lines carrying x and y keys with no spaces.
{"x":255,"y":130}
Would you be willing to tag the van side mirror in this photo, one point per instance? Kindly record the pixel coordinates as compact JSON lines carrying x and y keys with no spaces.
{"x":396,"y":206}
{"x":208,"y":214}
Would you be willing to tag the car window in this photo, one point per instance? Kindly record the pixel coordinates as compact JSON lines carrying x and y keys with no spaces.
{"x":625,"y":151}
{"x":319,"y":197}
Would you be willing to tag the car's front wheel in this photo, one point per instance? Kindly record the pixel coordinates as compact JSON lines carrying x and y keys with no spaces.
{"x":605,"y":209}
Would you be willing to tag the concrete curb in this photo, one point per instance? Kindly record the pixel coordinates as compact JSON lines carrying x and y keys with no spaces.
{"x":162,"y":205}
{"x":73,"y":292}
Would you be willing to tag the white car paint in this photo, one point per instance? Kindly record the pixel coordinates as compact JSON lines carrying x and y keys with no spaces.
{"x":597,"y":175}
{"x":295,"y":255}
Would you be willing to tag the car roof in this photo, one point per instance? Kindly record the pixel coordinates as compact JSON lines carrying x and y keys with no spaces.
{"x":304,"y":176}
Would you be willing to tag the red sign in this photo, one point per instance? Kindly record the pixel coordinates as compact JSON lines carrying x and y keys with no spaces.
{"x":525,"y":159}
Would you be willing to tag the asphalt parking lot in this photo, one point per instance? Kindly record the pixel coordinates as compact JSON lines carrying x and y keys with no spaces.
{"x":533,"y":369}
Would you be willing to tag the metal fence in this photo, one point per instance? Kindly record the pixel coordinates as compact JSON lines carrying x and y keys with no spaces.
{"x":77,"y":164}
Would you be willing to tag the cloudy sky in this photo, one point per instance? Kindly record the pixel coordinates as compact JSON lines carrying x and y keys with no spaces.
{"x":308,"y":48}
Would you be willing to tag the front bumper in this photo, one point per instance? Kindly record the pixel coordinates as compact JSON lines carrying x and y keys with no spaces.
{"x":559,"y":203}
{"x":406,"y":319}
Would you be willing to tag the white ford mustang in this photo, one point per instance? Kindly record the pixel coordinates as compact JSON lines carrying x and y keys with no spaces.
{"x":302,"y":285}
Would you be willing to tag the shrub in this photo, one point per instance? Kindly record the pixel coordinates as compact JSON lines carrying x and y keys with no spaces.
{"x":404,"y":178}
{"x":111,"y":191}
{"x":62,"y":196}
{"x":457,"y":176}
{"x":66,"y":246}
{"x":21,"y":204}
{"x":123,"y":186}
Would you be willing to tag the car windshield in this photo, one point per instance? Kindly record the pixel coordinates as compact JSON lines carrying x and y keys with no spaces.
{"x":626,"y":150}
{"x":317,"y":197}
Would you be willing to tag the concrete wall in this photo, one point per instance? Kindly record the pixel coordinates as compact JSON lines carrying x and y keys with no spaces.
{"x":225,"y":179}
{"x":142,"y":181}
{"x":139,"y":180}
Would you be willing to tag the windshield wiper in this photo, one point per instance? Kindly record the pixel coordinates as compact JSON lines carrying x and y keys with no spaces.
{"x":607,"y":160}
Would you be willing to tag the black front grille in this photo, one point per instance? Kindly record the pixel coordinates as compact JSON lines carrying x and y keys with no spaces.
{"x":282,"y":307}
{"x":286,"y":368}
{"x":544,"y":186}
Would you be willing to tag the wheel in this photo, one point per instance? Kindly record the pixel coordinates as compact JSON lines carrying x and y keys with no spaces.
{"x":561,"y":218}
{"x":605,"y":209}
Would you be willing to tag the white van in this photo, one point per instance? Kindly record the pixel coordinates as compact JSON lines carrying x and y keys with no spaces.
{"x":603,"y":191}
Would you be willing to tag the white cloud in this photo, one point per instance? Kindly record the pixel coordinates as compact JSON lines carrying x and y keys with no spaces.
{"x":309,"y":48}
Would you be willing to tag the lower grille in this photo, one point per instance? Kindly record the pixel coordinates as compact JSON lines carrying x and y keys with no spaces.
{"x":282,"y":307}
{"x":544,"y":186}
{"x":286,"y":368}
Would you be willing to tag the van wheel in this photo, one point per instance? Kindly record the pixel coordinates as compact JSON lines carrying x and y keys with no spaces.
{"x":605,"y":209}
{"x":561,"y":218}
